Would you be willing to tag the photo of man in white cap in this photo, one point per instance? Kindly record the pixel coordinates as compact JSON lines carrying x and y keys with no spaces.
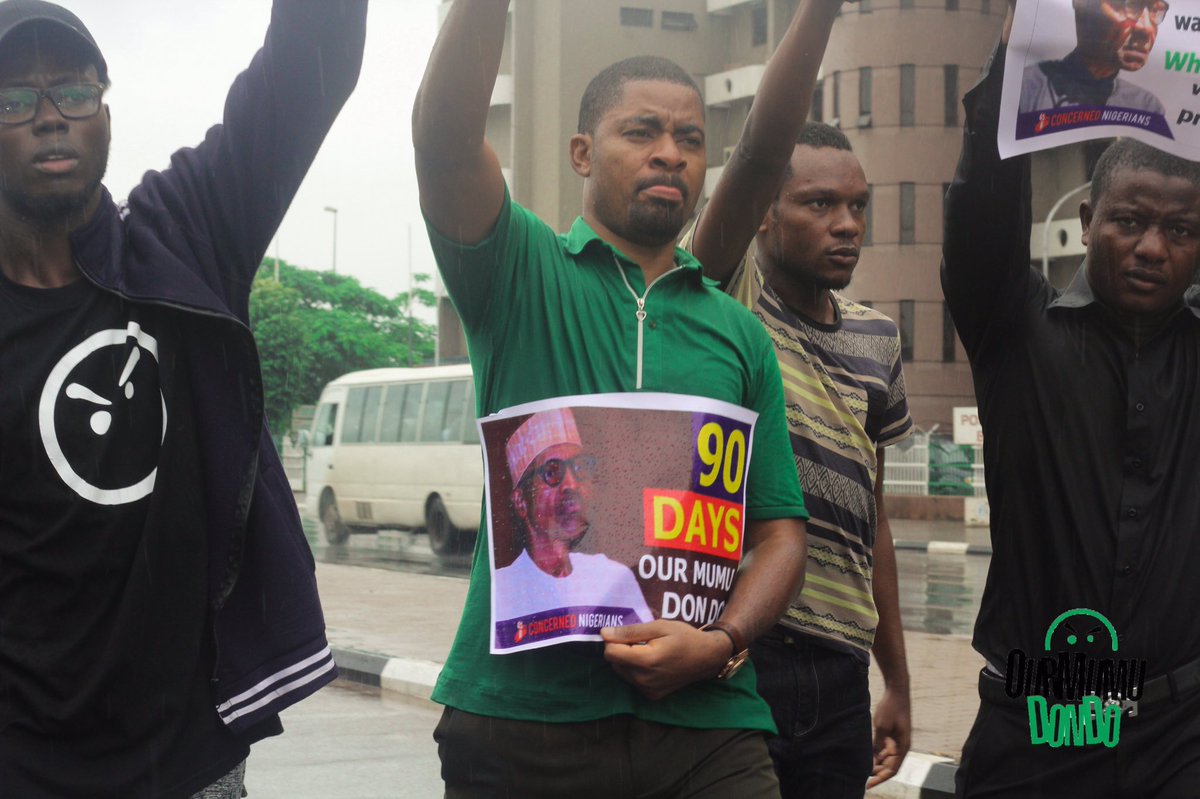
{"x":552,"y":484}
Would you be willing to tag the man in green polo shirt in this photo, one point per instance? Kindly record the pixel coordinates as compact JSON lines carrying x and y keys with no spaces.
{"x":612,"y":306}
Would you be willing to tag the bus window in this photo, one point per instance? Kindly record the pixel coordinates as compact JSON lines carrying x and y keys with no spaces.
{"x":470,"y":431}
{"x":352,"y":423}
{"x":412,"y":411}
{"x":435,"y":411}
{"x":456,"y":407}
{"x":362,"y":414}
{"x":323,"y":429}
{"x":393,"y":410}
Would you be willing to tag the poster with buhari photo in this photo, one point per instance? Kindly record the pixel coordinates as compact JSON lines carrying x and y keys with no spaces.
{"x":607,"y":510}
{"x":1092,"y":69}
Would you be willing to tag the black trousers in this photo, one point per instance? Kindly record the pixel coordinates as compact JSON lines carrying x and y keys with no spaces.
{"x":821,"y":702}
{"x":619,"y":757}
{"x":1156,"y":757}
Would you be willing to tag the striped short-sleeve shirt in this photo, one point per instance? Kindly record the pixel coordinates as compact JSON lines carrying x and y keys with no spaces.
{"x":844,"y":389}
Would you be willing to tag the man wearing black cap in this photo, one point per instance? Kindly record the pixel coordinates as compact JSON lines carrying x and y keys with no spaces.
{"x":158,"y":605}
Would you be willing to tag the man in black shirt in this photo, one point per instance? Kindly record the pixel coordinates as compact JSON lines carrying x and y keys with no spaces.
{"x":158,"y":604}
{"x":1091,"y":428}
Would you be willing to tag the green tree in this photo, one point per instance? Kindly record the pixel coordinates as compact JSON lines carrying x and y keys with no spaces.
{"x":312,"y":327}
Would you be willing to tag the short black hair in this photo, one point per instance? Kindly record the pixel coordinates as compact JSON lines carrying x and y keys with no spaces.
{"x":1133,"y":154}
{"x":818,"y":135}
{"x":604,"y":90}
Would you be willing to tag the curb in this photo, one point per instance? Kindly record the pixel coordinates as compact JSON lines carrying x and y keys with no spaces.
{"x":921,"y":776}
{"x":944,"y":547}
{"x":404,"y":676}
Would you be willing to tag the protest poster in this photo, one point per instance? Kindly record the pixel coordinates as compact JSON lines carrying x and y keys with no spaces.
{"x":1093,"y":69}
{"x":612,"y":509}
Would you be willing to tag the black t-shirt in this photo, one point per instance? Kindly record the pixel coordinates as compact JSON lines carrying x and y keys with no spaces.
{"x":105,"y":643}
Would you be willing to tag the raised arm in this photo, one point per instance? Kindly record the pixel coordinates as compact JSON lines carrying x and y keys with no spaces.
{"x":458,"y":174}
{"x":755,"y":172}
{"x":985,"y":250}
{"x":223,"y":200}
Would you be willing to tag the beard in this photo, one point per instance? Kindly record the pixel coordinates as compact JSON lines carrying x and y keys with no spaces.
{"x":54,"y":209}
{"x":648,"y":223}
{"x":653,"y":224}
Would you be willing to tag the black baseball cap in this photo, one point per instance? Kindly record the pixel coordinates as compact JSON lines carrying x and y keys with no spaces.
{"x":16,"y":13}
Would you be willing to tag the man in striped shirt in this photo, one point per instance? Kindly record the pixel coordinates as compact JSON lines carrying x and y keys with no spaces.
{"x":845,"y":396}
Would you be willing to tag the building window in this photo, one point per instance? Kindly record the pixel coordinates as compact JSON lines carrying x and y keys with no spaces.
{"x":985,"y":7}
{"x":817,"y":110}
{"x":679,"y":21}
{"x":952,"y":5}
{"x":948,"y":349}
{"x":868,"y":227}
{"x":908,"y":94}
{"x":864,"y":97}
{"x":836,"y":111}
{"x":908,"y":213}
{"x":907,"y":325}
{"x":907,"y":4}
{"x":758,"y":20}
{"x":864,"y":6}
{"x":637,"y":17}
{"x":950,"y":80}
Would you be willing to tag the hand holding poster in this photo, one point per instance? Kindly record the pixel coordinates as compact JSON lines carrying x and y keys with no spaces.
{"x":612,"y":509}
{"x":1092,"y":69}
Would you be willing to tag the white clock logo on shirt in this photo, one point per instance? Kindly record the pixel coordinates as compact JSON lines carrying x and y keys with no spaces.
{"x":97,"y":400}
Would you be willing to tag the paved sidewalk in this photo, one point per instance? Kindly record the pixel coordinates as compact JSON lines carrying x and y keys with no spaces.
{"x":394,"y":629}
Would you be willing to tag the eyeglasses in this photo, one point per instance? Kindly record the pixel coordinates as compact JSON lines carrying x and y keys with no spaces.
{"x":1133,"y":9}
{"x":18,"y":105}
{"x":554,"y":471}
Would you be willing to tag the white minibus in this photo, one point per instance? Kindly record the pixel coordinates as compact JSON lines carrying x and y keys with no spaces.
{"x":397,"y":448}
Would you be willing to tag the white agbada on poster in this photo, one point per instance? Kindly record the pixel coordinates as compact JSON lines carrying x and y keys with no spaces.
{"x":1092,"y":69}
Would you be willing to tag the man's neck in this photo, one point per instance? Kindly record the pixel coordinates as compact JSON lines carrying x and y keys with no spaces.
{"x":1141,"y":328}
{"x":807,"y":299}
{"x":1098,"y":68}
{"x":37,"y":253}
{"x":37,"y":259}
{"x":550,"y":555}
{"x":655,"y":260}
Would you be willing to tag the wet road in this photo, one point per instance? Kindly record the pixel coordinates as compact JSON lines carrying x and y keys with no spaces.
{"x":939,"y":593}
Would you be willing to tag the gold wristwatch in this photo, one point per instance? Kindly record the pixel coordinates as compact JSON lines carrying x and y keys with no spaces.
{"x":740,"y":649}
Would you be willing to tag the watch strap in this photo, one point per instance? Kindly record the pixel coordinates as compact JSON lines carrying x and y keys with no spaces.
{"x":735,"y":635}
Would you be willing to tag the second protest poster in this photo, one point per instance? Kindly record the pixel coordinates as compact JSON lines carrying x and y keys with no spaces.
{"x":612,"y":509}
{"x":1089,"y":69}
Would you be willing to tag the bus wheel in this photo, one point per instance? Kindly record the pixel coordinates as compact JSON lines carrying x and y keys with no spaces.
{"x":336,"y":531}
{"x":444,"y":537}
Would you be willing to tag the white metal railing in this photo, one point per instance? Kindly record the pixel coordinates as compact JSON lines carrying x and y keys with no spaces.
{"x":906,"y":467}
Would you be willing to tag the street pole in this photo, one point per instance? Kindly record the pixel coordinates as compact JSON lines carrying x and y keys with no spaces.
{"x":410,"y":296}
{"x":334,"y":211}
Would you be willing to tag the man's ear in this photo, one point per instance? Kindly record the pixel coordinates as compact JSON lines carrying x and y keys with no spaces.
{"x":518,"y":504}
{"x":1086,"y":215}
{"x":581,"y":154}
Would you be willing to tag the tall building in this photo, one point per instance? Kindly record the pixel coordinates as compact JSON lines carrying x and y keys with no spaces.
{"x":892,"y":80}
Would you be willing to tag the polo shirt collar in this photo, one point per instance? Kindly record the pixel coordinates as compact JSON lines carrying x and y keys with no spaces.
{"x":1079,"y":294}
{"x":581,"y":236}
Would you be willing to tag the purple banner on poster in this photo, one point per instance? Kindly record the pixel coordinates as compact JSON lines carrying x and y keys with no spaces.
{"x":560,"y":622}
{"x":1057,"y":120}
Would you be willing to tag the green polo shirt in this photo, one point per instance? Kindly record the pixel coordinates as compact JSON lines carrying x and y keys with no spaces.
{"x":549,"y":316}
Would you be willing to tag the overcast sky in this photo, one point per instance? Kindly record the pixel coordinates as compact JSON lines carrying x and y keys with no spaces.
{"x":171,"y":62}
